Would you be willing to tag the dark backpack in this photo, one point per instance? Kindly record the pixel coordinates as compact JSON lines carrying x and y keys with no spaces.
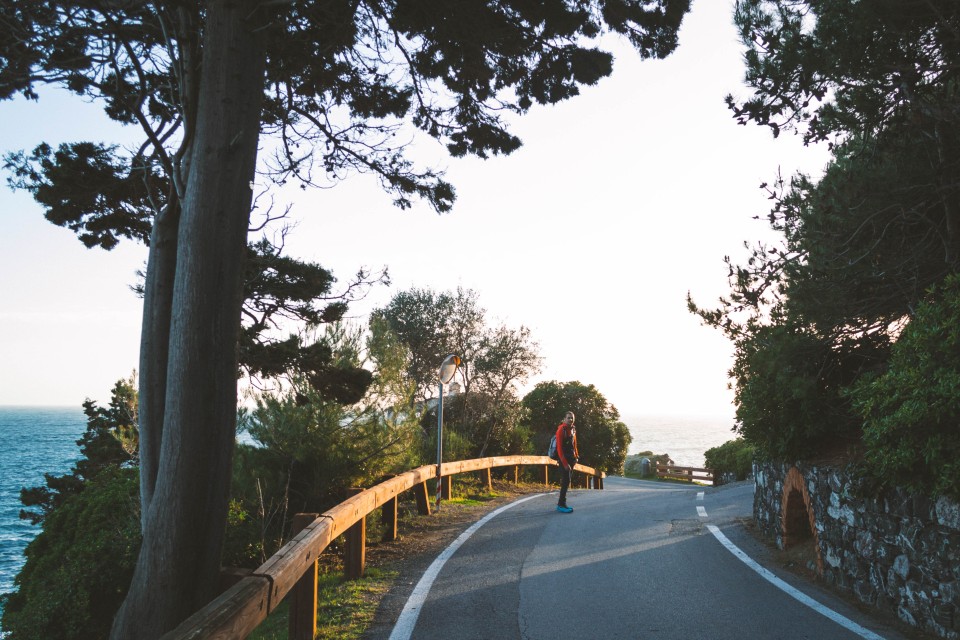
{"x":552,"y":451}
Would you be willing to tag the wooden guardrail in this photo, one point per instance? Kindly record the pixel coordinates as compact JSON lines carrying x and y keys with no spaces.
{"x":690,"y":474}
{"x":242,"y":607}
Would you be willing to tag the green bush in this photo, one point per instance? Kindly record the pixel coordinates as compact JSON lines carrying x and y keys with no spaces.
{"x":601,"y":436}
{"x":79,"y":567}
{"x":789,"y":384}
{"x":733,"y":456}
{"x":911,"y":412}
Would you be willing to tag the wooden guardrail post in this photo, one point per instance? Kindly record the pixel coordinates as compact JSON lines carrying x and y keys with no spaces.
{"x":388,"y":513}
{"x":423,"y":498}
{"x":489,"y":479}
{"x":388,"y":518}
{"x":302,"y":617}
{"x":546,"y":474}
{"x":516,"y":474}
{"x":355,"y":551}
{"x":446,"y":487}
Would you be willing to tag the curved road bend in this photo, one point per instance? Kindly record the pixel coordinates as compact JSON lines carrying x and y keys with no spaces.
{"x":636,"y":560}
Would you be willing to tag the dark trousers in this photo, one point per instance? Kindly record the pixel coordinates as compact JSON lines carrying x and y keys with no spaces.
{"x":564,"y":484}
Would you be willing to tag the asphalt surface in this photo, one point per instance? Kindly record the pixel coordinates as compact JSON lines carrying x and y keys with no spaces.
{"x":636,"y":560}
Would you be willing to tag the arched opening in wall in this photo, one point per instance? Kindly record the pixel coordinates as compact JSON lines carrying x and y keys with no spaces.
{"x":800,"y":540}
{"x":796,"y":520}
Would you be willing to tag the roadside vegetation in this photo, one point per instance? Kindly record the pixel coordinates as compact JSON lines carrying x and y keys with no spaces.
{"x":845,"y":330}
{"x":733,"y":459}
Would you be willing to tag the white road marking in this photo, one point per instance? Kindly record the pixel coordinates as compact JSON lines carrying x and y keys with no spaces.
{"x":700,"y":495}
{"x":701,"y":511}
{"x":411,"y":611}
{"x":843,"y":621}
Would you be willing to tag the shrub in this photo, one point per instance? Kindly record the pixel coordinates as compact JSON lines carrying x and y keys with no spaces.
{"x":732,"y":457}
{"x":911,"y":412}
{"x":79,"y":567}
{"x":601,"y":437}
{"x":789,"y":383}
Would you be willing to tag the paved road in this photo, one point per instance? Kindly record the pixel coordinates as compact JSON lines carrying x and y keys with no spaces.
{"x":636,"y":560}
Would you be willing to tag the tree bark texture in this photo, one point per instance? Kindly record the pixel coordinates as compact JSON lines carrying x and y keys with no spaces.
{"x":189,"y":358}
{"x":154,"y":346}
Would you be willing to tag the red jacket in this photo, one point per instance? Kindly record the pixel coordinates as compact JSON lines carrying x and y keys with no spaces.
{"x":567,"y":444}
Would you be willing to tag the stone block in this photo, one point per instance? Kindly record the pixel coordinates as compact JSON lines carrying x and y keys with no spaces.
{"x":864,"y":544}
{"x":906,"y":616}
{"x":947,"y":513}
{"x":901,"y":567}
{"x":835,"y":482}
{"x":830,"y":556}
{"x":876,"y":577}
{"x":909,"y":533}
{"x":950,"y":592}
{"x":842,"y":514}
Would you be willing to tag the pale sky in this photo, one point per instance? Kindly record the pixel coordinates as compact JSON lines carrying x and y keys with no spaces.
{"x":621,"y":200}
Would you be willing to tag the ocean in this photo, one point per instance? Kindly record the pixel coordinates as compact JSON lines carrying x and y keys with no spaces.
{"x":684,"y":439}
{"x":38,"y":440}
{"x":33,"y":441}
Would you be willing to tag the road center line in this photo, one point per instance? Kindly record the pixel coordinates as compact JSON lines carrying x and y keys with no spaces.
{"x":700,"y":496}
{"x":411,"y":611}
{"x":843,"y":621}
{"x":701,"y":511}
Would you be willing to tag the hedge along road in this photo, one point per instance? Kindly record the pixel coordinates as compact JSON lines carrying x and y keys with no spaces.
{"x":636,"y":560}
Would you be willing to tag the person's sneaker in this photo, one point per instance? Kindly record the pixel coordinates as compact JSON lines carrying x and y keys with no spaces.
{"x":564,"y":509}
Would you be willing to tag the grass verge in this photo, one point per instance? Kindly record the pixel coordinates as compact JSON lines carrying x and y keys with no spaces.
{"x":345,"y":608}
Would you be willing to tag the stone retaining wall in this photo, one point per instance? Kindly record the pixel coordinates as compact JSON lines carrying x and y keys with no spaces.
{"x":896,"y":551}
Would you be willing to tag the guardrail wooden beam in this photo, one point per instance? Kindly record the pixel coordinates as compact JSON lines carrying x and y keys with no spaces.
{"x":238,"y":611}
{"x":689,"y":474}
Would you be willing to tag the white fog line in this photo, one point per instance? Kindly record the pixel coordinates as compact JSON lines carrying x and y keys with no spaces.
{"x":701,"y":511}
{"x":411,"y":611}
{"x":843,"y":621}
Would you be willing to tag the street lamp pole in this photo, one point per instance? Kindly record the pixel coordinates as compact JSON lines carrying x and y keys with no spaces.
{"x":447,"y":370}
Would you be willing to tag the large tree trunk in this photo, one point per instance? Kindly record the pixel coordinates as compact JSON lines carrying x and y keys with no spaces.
{"x":154,"y":346}
{"x":185,"y":513}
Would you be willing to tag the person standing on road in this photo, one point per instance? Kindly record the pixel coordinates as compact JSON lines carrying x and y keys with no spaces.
{"x":569,"y":455}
